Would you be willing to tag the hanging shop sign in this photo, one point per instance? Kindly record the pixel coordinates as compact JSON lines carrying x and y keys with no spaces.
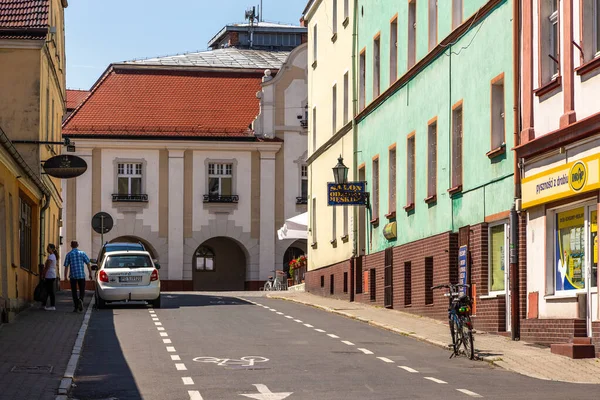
{"x":389,"y":231}
{"x":65,"y":166}
{"x":563,"y":181}
{"x":463,"y":271}
{"x":347,"y":194}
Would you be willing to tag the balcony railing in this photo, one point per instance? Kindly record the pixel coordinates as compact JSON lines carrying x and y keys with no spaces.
{"x":301,"y":200}
{"x":131,"y":198}
{"x":212,"y":198}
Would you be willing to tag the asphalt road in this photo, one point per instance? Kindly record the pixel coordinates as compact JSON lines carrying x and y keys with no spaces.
{"x":226,"y":346}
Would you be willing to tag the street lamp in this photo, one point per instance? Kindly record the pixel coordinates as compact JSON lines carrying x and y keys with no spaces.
{"x":340,"y":172}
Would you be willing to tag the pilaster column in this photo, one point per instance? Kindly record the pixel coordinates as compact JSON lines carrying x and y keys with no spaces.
{"x":527,"y":132}
{"x":176,"y":169}
{"x":267,"y":213}
{"x":567,"y":75}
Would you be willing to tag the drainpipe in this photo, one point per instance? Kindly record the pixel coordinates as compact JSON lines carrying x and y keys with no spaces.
{"x":515,"y":323}
{"x":355,"y":251}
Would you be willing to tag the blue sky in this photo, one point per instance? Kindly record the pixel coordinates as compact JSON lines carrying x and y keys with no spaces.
{"x":99,"y":32}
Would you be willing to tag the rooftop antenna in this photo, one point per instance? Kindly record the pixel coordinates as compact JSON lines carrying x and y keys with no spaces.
{"x":250,"y":15}
{"x":261,"y":12}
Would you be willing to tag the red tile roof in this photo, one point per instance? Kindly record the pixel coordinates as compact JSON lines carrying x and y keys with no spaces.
{"x":154,"y":103}
{"x":75,"y":98}
{"x":23,"y":19}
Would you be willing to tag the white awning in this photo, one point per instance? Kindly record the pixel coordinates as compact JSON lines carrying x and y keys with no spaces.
{"x":294,"y":228}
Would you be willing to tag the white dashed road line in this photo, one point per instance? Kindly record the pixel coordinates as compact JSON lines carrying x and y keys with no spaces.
{"x":180,"y":367}
{"x":436,"y":380}
{"x":160,"y":328}
{"x":308,"y":326}
{"x":167,"y":341}
{"x":331,"y":335}
{"x":298,"y":321}
{"x":175,"y":358}
{"x":366,"y":351}
{"x":409,"y":369}
{"x":187,"y":381}
{"x":158,"y":323}
{"x":164,"y":334}
{"x":279,"y":313}
{"x":289,"y":316}
{"x":195,"y":395}
{"x":320,"y":330}
{"x":469,"y":393}
{"x":384,"y":359}
{"x":272,"y":309}
{"x":171,"y":349}
{"x":348,"y":343}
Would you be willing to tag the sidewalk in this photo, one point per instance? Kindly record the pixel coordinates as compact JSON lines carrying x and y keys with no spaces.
{"x":42,"y":339}
{"x":520,"y":357}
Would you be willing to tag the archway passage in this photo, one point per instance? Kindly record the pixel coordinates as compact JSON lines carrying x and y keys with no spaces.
{"x":134,"y":239}
{"x":219,"y":264}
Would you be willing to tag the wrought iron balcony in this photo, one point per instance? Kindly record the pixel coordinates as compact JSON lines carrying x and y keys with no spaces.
{"x":301,"y":200}
{"x":131,"y":198}
{"x":215,"y":198}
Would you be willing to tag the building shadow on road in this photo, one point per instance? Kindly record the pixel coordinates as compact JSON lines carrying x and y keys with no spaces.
{"x":103,"y":372}
{"x":178,"y":300}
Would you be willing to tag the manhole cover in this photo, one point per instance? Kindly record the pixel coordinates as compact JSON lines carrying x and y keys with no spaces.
{"x":32,"y":369}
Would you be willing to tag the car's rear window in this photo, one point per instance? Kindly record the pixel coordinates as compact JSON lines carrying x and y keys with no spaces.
{"x":128,"y":261}
{"x":120,"y":247}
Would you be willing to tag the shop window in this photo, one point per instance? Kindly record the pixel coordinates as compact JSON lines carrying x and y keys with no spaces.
{"x":25,"y":239}
{"x":498,"y":238}
{"x":570,"y":249}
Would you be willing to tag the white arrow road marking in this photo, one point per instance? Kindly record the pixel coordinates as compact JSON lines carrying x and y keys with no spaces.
{"x":348,"y":343}
{"x":436,"y":380}
{"x":366,"y":351}
{"x":384,"y":359}
{"x":468,"y":392}
{"x":180,"y":367}
{"x":331,"y":335}
{"x":265,"y":394}
{"x":175,"y":358}
{"x":409,"y":369}
{"x":187,"y":381}
{"x":195,"y":395}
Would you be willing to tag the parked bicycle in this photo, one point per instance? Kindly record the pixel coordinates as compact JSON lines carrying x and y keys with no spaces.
{"x":279,"y":283}
{"x":461,"y":328}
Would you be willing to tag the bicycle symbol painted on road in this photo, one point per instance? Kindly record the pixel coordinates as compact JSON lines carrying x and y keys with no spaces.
{"x":246,"y":361}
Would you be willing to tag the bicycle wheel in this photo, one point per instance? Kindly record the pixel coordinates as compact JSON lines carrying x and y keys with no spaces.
{"x":467,"y":340}
{"x":268,"y":286}
{"x":452,"y":333}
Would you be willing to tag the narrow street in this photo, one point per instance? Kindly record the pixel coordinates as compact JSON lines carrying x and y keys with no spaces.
{"x":244,"y":345}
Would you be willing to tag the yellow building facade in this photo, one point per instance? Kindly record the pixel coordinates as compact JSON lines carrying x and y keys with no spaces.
{"x":330,"y":104}
{"x":33,"y":87}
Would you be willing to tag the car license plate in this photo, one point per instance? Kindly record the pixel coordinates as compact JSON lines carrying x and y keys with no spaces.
{"x":130,"y":279}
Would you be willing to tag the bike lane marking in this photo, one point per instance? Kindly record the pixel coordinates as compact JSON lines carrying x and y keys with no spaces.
{"x":469,"y":393}
{"x":436,"y":380}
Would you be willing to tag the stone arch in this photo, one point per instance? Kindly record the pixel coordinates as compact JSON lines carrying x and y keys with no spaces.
{"x":219,"y":264}
{"x":221,"y":226}
{"x":281,"y":248}
{"x":136,"y":239}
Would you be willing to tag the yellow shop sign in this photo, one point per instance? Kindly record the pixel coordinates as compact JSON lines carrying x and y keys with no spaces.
{"x":562,"y":181}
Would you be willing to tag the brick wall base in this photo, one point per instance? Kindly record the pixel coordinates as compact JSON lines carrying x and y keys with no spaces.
{"x":319,"y":281}
{"x":596,"y":336}
{"x":549,"y":331}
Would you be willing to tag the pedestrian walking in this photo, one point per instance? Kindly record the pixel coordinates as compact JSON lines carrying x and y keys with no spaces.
{"x":49,"y":276}
{"x":75,"y":260}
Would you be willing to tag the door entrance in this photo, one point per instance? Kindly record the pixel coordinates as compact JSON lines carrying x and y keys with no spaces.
{"x":592,"y":270}
{"x":388,"y":297}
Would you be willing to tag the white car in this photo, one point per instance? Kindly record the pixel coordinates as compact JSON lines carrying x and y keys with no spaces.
{"x":127,"y":276}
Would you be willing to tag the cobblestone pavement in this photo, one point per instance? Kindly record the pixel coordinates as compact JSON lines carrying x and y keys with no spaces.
{"x":517,"y":356}
{"x":35,"y":349}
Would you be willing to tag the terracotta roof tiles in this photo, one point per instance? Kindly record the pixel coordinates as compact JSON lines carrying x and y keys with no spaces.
{"x":75,"y":98}
{"x":154,"y":103}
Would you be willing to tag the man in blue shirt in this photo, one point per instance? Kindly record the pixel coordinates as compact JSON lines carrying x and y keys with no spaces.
{"x":75,"y":260}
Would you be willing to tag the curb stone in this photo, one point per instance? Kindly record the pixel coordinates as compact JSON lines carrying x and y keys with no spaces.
{"x":67,"y":380}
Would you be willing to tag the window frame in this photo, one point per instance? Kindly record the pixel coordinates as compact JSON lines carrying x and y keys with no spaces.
{"x":376,"y":65}
{"x":346,"y":107}
{"x":506,"y":233}
{"x":334,"y":101}
{"x":334,"y":12}
{"x":303,"y":180}
{"x":392,"y":181}
{"x":457,"y":181}
{"x":393,"y":49}
{"x":232,"y":175}
{"x":375,"y":176}
{"x":457,"y":14}
{"x":26,"y":234}
{"x":497,"y":146}
{"x":431,"y":161}
{"x":545,"y":78}
{"x":315,"y":46}
{"x":131,"y":176}
{"x":205,"y":256}
{"x":432,"y":17}
{"x":362,"y":79}
{"x":411,"y":170}
{"x":412,"y":34}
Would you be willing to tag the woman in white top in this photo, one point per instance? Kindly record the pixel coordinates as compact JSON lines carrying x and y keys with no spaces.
{"x":49,"y":275}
